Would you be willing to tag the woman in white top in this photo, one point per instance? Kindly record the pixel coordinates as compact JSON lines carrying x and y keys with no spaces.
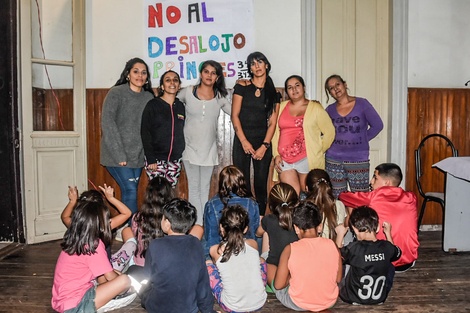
{"x":203,"y":103}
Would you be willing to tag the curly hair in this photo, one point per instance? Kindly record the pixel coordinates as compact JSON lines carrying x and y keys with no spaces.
{"x":148,"y":219}
{"x":127,"y":68}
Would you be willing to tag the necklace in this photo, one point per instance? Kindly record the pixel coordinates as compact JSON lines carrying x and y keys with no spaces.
{"x":258,"y":89}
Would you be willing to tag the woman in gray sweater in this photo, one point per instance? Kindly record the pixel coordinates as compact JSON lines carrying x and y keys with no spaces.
{"x":122,"y":152}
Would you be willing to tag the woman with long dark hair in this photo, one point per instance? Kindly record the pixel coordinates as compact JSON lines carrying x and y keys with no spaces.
{"x":203,"y":103}
{"x":254,"y":115}
{"x":122,"y":152}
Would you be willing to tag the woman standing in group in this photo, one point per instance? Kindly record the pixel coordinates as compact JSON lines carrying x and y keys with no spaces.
{"x":356,"y":123}
{"x":122,"y":152}
{"x":254,"y":114}
{"x":162,"y":130}
{"x":203,"y":103}
{"x":303,"y":133}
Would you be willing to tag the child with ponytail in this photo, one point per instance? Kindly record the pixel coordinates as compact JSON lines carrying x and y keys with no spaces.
{"x":277,"y":228}
{"x":320,"y":192}
{"x":237,"y":274}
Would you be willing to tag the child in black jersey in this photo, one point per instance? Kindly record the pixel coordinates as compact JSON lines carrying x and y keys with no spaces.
{"x":370,"y":275}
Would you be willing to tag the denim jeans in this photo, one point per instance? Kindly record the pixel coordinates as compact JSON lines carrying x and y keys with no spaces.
{"x":128,"y":181}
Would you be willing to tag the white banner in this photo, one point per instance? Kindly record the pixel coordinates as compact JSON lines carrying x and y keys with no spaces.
{"x":182,"y":34}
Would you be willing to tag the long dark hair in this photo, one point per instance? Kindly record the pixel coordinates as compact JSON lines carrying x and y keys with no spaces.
{"x":282,"y":198}
{"x":127,"y":68}
{"x":90,"y":222}
{"x":234,"y":221}
{"x":320,"y":192}
{"x":148,"y":219}
{"x":232,"y":180}
{"x":219,"y":87}
{"x":271,"y":95}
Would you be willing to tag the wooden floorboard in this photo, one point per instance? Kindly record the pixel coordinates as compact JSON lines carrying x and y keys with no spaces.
{"x":440,"y":282}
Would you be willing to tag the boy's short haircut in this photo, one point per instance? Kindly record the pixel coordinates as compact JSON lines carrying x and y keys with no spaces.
{"x":364,"y":219}
{"x":181,"y":214}
{"x":306,"y":215}
{"x":390,"y":171}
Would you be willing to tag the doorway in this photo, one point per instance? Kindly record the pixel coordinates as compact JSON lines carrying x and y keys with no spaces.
{"x":11,"y":218}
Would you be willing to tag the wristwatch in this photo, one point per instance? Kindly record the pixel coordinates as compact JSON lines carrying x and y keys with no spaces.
{"x":266,"y":144}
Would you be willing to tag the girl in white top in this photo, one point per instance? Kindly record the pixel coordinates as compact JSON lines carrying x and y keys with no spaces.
{"x":320,"y":192}
{"x":203,"y":103}
{"x":238,"y":277}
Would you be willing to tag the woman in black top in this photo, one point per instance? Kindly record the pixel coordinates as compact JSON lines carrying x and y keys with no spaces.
{"x":162,"y":130}
{"x":254,"y":115}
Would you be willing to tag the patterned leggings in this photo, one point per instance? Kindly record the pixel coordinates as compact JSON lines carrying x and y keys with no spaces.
{"x":343,"y":172}
{"x":171,"y":170}
{"x":217,"y":286}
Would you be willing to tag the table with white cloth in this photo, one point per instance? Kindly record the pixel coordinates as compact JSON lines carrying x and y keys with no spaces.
{"x":457,"y":203}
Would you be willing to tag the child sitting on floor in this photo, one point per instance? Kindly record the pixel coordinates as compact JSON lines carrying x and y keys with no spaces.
{"x":232,"y":190}
{"x":277,"y":229}
{"x":320,"y":192}
{"x":309,"y":269}
{"x":175,"y":266}
{"x":238,"y":277}
{"x":371,"y":272}
{"x":121,"y":258}
{"x":83,"y":259}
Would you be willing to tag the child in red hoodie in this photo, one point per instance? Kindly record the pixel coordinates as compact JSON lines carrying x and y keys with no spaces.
{"x":394,"y":205}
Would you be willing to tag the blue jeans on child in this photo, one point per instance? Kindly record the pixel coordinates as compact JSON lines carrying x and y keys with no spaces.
{"x":128,"y":181}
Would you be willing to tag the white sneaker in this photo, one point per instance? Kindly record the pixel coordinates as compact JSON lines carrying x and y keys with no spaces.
{"x":118,"y":236}
{"x":119,"y":301}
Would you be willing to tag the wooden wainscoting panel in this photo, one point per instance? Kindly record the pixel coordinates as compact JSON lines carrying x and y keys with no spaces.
{"x":52,"y":109}
{"x":435,"y":110}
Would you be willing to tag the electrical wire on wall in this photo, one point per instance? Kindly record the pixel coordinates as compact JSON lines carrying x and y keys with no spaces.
{"x":59,"y":108}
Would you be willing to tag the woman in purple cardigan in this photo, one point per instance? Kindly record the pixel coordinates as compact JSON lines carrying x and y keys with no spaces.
{"x":356,"y":123}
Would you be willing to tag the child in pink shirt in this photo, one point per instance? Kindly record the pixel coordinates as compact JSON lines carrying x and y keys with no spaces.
{"x":83,"y":259}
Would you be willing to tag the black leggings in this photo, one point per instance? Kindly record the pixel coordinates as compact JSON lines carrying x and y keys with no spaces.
{"x":260,"y":170}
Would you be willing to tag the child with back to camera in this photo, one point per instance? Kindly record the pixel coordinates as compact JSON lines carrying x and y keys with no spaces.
{"x":122,"y":257}
{"x":146,"y":224}
{"x":277,"y":228}
{"x":175,"y":265}
{"x":370,"y":276}
{"x":83,"y":259}
{"x":232,"y":190}
{"x":320,"y":192}
{"x":309,"y":269}
{"x":237,"y":274}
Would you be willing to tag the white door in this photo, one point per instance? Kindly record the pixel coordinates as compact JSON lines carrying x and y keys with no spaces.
{"x":53,"y":111}
{"x":353,"y":40}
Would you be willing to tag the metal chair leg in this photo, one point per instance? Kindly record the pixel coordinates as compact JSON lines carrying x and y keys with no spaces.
{"x":421,"y":213}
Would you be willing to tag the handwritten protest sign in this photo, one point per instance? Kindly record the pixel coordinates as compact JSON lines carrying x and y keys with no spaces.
{"x":182,"y":34}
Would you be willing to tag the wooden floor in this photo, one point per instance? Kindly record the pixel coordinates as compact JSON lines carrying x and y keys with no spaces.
{"x":440,"y":282}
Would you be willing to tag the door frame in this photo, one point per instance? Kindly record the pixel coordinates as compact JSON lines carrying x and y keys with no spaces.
{"x":52,"y":160}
